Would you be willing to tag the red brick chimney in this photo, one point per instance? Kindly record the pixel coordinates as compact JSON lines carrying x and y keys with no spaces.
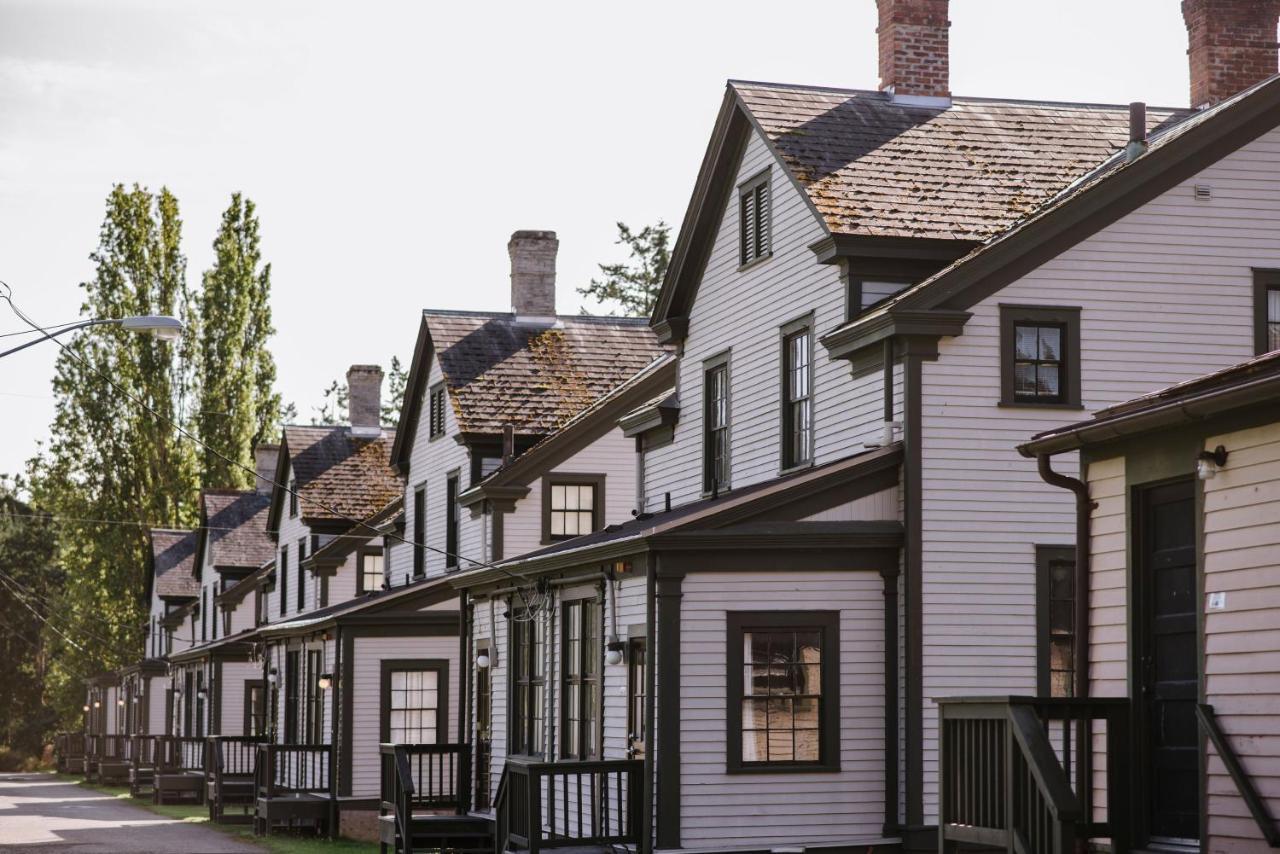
{"x":914,"y":48}
{"x":1232,"y":46}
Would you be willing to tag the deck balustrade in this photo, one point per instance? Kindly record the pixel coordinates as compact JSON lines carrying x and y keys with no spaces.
{"x":552,"y":804}
{"x":423,"y":778}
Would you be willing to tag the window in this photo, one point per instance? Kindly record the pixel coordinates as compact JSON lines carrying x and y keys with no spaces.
{"x":204,"y":612}
{"x":255,"y":707}
{"x":419,"y":530}
{"x":1055,"y":620}
{"x":580,"y":707}
{"x":435,"y":412}
{"x":369,"y":572}
{"x":1040,"y":356}
{"x":315,"y":697}
{"x":527,"y":637}
{"x":1266,"y":336}
{"x":572,"y":505}
{"x":637,"y":690}
{"x":282,"y":573}
{"x":451,"y":521}
{"x":200,"y":705}
{"x":864,"y":293}
{"x":797,"y":395}
{"x":754,"y":214}
{"x":783,"y":682}
{"x":293,"y":498}
{"x":413,"y":701}
{"x":484,"y":729}
{"x":715,"y":437}
{"x":292,"y":680}
{"x":302,"y":575}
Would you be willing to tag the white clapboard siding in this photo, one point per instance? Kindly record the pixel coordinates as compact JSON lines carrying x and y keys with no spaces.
{"x":612,"y":455}
{"x":1166,"y":293}
{"x":763,"y":810}
{"x":154,"y":696}
{"x":1242,"y":665}
{"x":367,"y":687}
{"x":234,"y":675}
{"x":744,"y":310}
{"x":488,"y":625}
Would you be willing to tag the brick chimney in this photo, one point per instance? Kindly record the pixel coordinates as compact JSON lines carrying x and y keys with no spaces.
{"x":914,"y":51}
{"x":264,"y":463}
{"x":364,"y":400}
{"x":533,"y":274}
{"x":1232,"y":46}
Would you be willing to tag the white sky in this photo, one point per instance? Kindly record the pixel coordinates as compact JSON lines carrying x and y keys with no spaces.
{"x":392,"y":148}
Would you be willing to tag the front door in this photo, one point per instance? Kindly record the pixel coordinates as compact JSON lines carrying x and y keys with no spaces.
{"x":1168,"y":671}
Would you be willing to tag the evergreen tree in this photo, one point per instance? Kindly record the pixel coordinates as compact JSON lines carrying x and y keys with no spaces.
{"x":113,"y":452}
{"x":633,"y":285}
{"x":333,"y":407}
{"x":397,"y":382}
{"x":238,"y":403}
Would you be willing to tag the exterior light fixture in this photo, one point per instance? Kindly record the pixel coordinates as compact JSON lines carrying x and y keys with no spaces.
{"x":202,"y":693}
{"x":1208,"y":462}
{"x":120,"y":701}
{"x":325,"y":681}
{"x":97,"y":704}
{"x":615,"y":649}
{"x":271,"y":676}
{"x":86,"y":707}
{"x":482,"y":661}
{"x":162,"y":326}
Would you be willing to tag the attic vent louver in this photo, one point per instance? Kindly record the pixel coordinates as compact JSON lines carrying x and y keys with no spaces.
{"x":1203,"y":192}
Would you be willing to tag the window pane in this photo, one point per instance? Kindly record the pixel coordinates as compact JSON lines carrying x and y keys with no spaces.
{"x":1026,"y":346}
{"x":1024,"y":378}
{"x":1047,"y":380}
{"x":1050,"y":343}
{"x":1273,"y":305}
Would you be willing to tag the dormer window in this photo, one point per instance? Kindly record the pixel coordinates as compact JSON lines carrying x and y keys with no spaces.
{"x":435,"y":412}
{"x":755,"y":215}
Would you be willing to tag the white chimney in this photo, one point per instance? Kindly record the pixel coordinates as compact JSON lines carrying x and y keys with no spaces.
{"x":264,"y":464}
{"x":364,"y":400}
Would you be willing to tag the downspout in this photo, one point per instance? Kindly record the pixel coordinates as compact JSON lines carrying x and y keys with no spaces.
{"x":650,"y":687}
{"x":1084,"y":512}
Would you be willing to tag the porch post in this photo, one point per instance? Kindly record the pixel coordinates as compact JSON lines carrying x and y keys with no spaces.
{"x":668,"y":596}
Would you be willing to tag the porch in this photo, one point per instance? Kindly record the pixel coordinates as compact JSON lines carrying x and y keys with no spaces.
{"x":230,"y":778}
{"x":114,"y":759}
{"x":425,"y":800}
{"x":142,"y":765}
{"x":293,"y":788}
{"x":68,"y":752}
{"x":179,"y":769}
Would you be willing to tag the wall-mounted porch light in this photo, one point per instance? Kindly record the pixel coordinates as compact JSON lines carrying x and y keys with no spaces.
{"x":482,"y":661}
{"x":1208,"y":462}
{"x":613,"y":655}
{"x":120,"y":701}
{"x":271,"y":676}
{"x":97,"y":704}
{"x":86,"y":707}
{"x":325,"y":681}
{"x":202,"y":693}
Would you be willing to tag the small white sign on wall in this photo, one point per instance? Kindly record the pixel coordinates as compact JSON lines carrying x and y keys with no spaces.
{"x":1217,"y":601}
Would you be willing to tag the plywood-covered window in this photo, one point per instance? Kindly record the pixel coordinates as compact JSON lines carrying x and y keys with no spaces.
{"x":783,"y":690}
{"x":715,"y":424}
{"x":797,"y":394}
{"x":1040,"y":356}
{"x":527,"y":640}
{"x":583,"y":658}
{"x":755,"y":215}
{"x":1055,"y":620}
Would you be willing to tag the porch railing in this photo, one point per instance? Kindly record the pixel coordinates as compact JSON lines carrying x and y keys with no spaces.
{"x":177,"y":754}
{"x":551,"y":804}
{"x":1244,"y":785}
{"x":1011,"y":775}
{"x":115,"y":748}
{"x":233,"y":755}
{"x":68,"y":747}
{"x":291,"y":769}
{"x":424,"y":778}
{"x":142,"y":751}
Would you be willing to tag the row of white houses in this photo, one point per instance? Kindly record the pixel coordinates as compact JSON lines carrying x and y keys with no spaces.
{"x":780,"y":568}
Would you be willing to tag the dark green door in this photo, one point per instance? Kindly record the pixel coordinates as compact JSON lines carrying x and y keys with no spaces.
{"x":1169,"y":663}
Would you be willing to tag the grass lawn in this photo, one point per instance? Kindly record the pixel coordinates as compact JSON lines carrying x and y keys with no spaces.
{"x":199,"y":813}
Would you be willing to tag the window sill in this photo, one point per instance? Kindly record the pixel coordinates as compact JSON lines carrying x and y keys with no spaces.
{"x":755,"y":262}
{"x":720,"y":493}
{"x":1026,"y":404}
{"x":785,"y":470}
{"x":806,"y":768}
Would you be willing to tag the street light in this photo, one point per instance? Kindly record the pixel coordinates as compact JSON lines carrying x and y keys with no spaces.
{"x":162,"y":326}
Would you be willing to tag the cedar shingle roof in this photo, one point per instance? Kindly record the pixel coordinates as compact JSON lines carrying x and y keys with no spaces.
{"x":236,"y":528}
{"x":535,"y":377}
{"x":967,"y":172}
{"x":173,"y":559}
{"x":340,"y":477}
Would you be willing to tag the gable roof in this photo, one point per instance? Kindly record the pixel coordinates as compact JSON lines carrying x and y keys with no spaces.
{"x":173,"y":567}
{"x":340,"y":478}
{"x":234,"y":528}
{"x":534,"y":376}
{"x":879,"y":170}
{"x":1113,"y":188}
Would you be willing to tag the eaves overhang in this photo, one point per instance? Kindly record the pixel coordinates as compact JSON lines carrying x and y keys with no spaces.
{"x":833,"y":248}
{"x":852,"y":338}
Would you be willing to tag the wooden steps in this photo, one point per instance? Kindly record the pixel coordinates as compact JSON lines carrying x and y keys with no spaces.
{"x":457,"y":834}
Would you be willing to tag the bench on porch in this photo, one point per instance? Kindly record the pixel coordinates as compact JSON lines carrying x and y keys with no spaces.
{"x":592,"y":804}
{"x":179,"y":774}
{"x":142,"y":765}
{"x":113,"y":760}
{"x":426,"y":794}
{"x":229,"y":781}
{"x":1017,"y":773}
{"x":293,"y":784}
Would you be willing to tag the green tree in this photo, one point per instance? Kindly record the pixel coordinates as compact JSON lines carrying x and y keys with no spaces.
{"x":333,"y":406}
{"x":633,"y":285}
{"x":397,"y":382}
{"x":113,"y":452}
{"x":238,"y":404}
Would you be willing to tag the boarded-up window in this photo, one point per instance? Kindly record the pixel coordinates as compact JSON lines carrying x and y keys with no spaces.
{"x":755,"y":214}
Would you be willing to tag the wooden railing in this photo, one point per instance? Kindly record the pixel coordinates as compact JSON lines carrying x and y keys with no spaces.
{"x":290,"y":769}
{"x":1013,"y":773}
{"x":550,"y":804}
{"x":1257,"y":807}
{"x":233,"y":755}
{"x":424,"y":778}
{"x":68,"y":747}
{"x":142,"y":751}
{"x":176,"y":754}
{"x":92,"y":746}
{"x":114,"y":748}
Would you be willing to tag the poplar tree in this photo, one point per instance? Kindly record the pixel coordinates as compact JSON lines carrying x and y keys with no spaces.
{"x":238,"y":404}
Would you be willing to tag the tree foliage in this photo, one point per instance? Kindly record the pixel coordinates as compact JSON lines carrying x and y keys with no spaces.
{"x":238,"y":404}
{"x":632,"y":286}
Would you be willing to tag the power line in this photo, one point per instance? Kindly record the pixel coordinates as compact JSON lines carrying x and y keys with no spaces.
{"x":94,"y":636}
{"x":48,"y":599}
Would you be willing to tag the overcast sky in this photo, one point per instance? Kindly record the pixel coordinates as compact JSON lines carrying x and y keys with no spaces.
{"x":392,"y":148}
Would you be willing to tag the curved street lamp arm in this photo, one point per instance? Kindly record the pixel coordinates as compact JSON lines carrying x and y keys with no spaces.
{"x":49,"y":336}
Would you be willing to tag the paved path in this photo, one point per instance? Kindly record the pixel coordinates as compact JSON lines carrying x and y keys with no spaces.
{"x":41,"y":813}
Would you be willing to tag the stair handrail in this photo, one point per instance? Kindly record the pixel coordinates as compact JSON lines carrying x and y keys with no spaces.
{"x":1244,"y":784}
{"x":501,"y":833}
{"x":1050,"y":779}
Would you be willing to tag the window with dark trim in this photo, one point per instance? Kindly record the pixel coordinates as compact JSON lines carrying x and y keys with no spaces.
{"x":572,"y":505}
{"x":292,"y":681}
{"x":315,"y":697}
{"x":1039,"y":356}
{"x":282,"y":574}
{"x":715,"y":425}
{"x":755,"y":219}
{"x":435,"y":412}
{"x":302,"y":574}
{"x":580,"y":674}
{"x":1055,"y":621}
{"x":526,"y":641}
{"x":797,"y":394}
{"x":637,"y":690}
{"x":255,"y":707}
{"x":451,"y":521}
{"x":783,"y":703}
{"x":419,"y":530}
{"x":369,"y":570}
{"x":293,"y":498}
{"x":414,"y":700}
{"x":204,"y":613}
{"x":1266,"y":308}
{"x":200,"y":704}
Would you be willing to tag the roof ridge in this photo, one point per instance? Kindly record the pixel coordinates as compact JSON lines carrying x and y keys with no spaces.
{"x":627,"y":320}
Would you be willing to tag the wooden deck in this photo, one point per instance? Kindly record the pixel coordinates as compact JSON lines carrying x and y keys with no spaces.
{"x":293,"y":788}
{"x":179,"y":770}
{"x":230,"y":787}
